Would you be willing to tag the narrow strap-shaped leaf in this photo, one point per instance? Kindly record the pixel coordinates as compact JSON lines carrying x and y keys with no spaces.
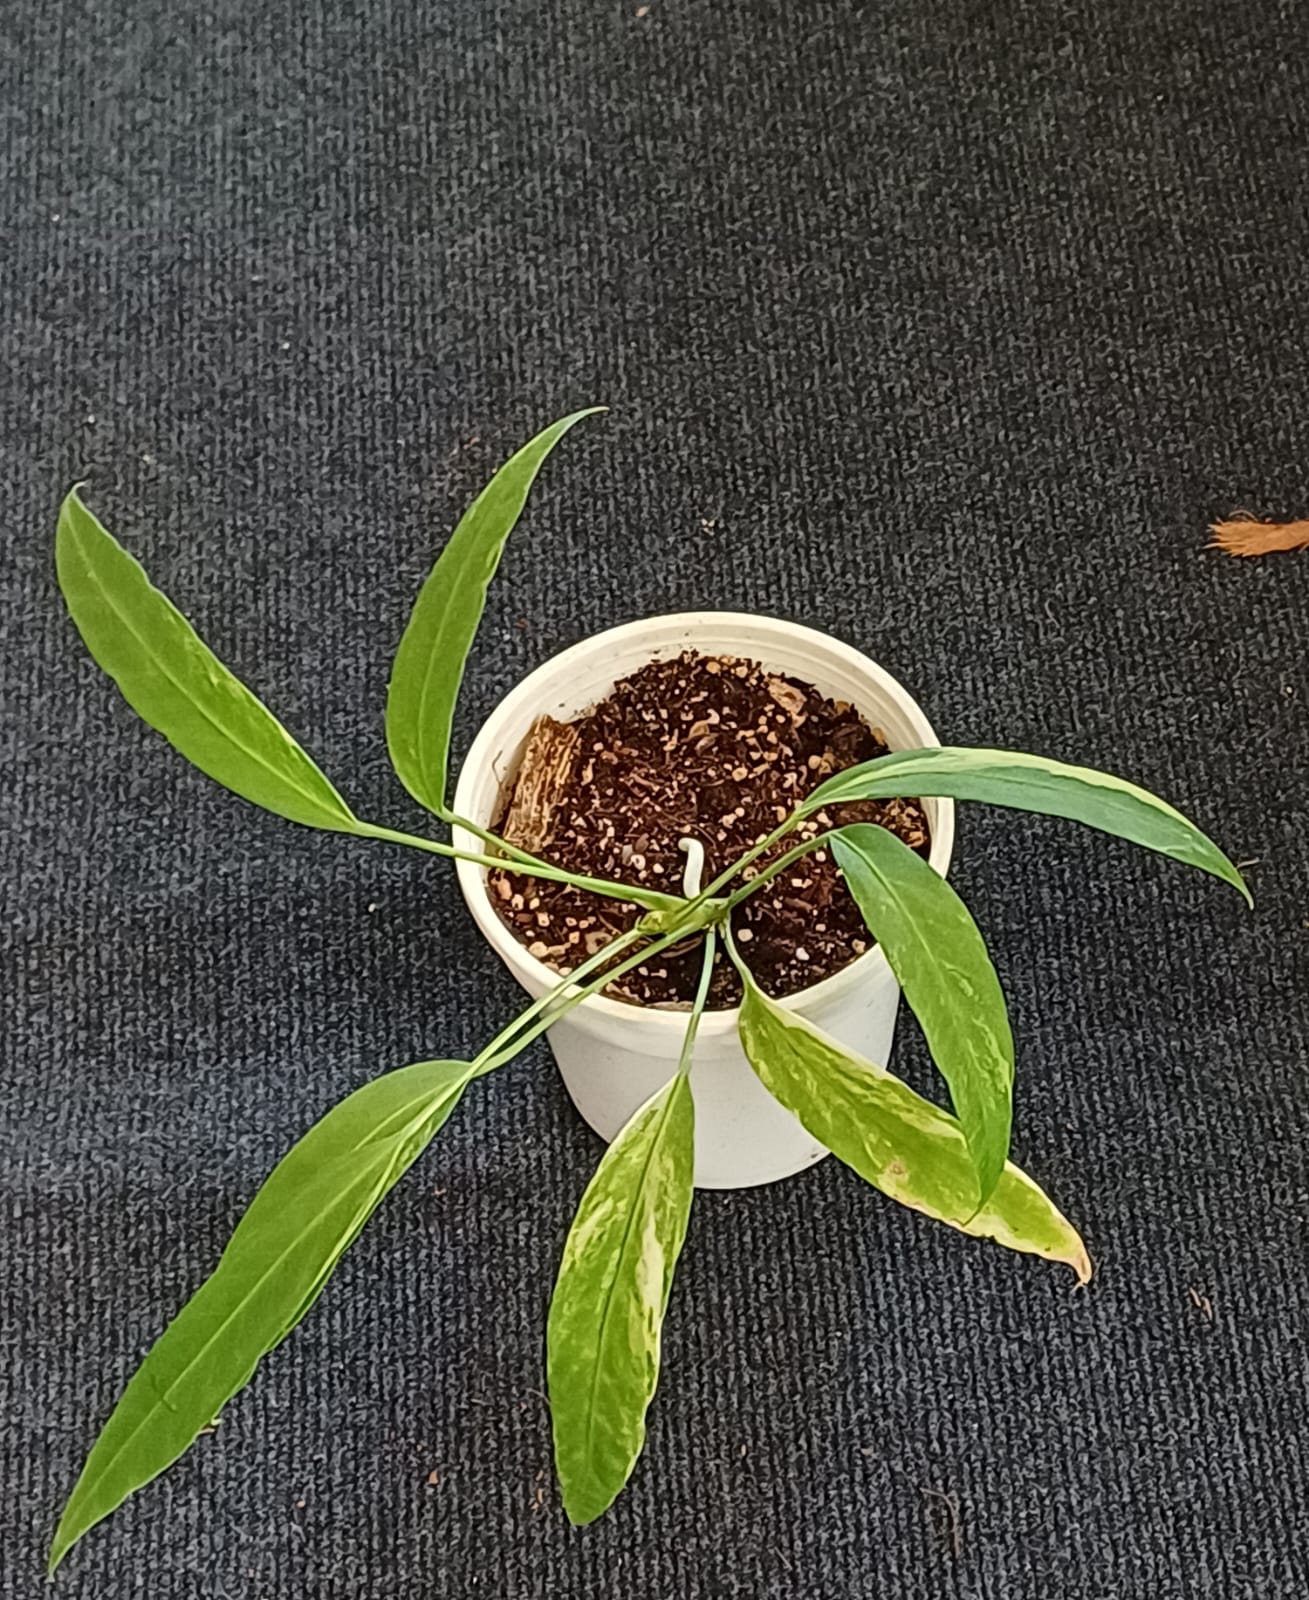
{"x":603,"y":1334}
{"x":893,"y":1138}
{"x":1033,"y":783}
{"x":171,"y":679}
{"x":940,"y":958}
{"x":429,"y":664}
{"x":308,"y":1212}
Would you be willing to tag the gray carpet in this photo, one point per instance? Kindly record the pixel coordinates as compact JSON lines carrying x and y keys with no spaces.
{"x":944,"y":327}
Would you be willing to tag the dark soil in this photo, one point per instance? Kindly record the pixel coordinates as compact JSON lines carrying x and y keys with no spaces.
{"x":713,"y":747}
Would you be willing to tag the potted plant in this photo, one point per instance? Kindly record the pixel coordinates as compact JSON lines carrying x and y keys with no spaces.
{"x":614,"y":1055}
{"x":685,"y":1088}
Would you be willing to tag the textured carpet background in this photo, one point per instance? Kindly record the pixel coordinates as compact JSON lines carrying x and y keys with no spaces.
{"x":945,"y":327}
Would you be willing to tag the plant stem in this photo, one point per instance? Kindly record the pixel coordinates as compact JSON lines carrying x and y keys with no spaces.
{"x":545,"y":868}
{"x":752,"y":854}
{"x":546,"y":1011}
{"x":487,"y":837}
{"x":649,"y":898}
{"x":729,"y":944}
{"x":697,"y":1008}
{"x":551,"y":996}
{"x":780,"y":865}
{"x":563,"y":998}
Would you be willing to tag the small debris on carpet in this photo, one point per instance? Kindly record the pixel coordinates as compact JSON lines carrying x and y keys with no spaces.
{"x":1202,"y":1303}
{"x":1244,"y":535}
{"x":943,"y":1506}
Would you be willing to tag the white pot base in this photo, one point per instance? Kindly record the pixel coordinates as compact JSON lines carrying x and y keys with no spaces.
{"x":742,"y":1138}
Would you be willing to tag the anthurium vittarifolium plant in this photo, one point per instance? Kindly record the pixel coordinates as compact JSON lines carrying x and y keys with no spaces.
{"x":603,"y":1333}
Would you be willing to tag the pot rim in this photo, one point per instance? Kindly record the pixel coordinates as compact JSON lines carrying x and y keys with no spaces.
{"x":535,"y":974}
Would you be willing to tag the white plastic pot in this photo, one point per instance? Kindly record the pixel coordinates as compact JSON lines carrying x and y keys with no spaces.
{"x":614,"y":1055}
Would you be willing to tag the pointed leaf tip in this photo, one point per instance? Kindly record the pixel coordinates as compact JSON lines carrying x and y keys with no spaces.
{"x":1033,"y":783}
{"x":173,"y":681}
{"x":603,"y":1334}
{"x":433,"y":651}
{"x":894,"y":1139}
{"x":307,"y":1214}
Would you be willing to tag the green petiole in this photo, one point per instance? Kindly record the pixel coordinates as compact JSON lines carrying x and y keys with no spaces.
{"x":778,"y":866}
{"x":559,"y":1001}
{"x":512,"y":851}
{"x":651,"y":899}
{"x":751,"y":855}
{"x":698,"y":1005}
{"x":550,"y":999}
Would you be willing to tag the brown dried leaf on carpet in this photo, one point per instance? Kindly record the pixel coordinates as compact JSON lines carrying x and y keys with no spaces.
{"x":1241,"y":535}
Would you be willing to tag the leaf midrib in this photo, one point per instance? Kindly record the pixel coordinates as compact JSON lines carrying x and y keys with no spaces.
{"x":611,"y":1288}
{"x":911,"y":921}
{"x":1009,"y":767}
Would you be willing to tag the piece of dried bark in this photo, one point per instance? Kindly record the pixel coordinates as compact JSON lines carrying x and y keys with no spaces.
{"x":543,"y":776}
{"x":1243,"y":536}
{"x":787,"y":696}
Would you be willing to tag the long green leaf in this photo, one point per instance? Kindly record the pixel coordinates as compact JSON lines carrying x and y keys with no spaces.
{"x":893,"y":1138}
{"x":603,"y":1334}
{"x":1033,"y":783}
{"x":171,"y":678}
{"x":283,"y":1251}
{"x":939,"y":956}
{"x":429,"y":664}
